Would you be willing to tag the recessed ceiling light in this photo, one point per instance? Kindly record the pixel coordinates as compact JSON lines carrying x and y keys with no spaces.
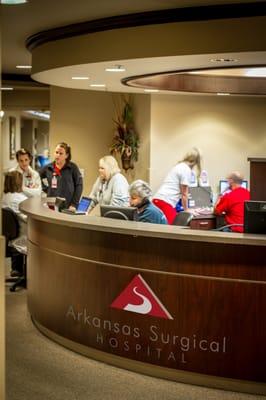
{"x":256,"y":72}
{"x":225,"y":60}
{"x":13,"y":2}
{"x":23,"y":66}
{"x":223,"y":94}
{"x":151,"y":90}
{"x":97,"y":85}
{"x":7,"y":88}
{"x":115,"y":68}
{"x":80,"y":78}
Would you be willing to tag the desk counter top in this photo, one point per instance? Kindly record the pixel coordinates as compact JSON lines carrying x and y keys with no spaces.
{"x":36,"y":208}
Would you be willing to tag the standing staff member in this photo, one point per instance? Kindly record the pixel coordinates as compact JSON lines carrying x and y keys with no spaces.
{"x":32,"y":185}
{"x":175,"y":185}
{"x":62,"y":178}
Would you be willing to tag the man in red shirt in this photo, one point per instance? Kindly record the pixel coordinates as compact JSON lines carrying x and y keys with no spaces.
{"x":231,"y":203}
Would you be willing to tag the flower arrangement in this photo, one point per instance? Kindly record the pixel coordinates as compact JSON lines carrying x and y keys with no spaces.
{"x":126,"y":140}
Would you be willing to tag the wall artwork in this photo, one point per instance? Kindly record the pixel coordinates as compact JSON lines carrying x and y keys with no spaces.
{"x":12,"y":138}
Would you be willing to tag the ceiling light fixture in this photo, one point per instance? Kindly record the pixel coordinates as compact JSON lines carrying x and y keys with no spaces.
{"x":225,"y":60}
{"x":223,"y":94}
{"x":23,"y":66}
{"x":13,"y":2}
{"x":7,"y":88}
{"x":98,"y":85}
{"x":116,"y":68}
{"x":40,"y":114}
{"x":80,"y":78}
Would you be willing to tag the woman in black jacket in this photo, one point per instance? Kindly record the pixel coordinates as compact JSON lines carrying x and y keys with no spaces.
{"x":62,"y":178}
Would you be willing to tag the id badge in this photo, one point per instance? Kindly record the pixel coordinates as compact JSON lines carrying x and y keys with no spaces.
{"x":54,"y":182}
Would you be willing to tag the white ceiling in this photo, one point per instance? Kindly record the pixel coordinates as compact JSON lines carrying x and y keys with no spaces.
{"x":21,"y":21}
{"x":97,"y":74}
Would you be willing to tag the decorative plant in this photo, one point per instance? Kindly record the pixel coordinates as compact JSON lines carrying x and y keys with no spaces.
{"x":126,"y":140}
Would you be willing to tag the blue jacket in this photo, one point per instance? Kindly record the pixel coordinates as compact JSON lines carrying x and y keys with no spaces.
{"x":148,"y":212}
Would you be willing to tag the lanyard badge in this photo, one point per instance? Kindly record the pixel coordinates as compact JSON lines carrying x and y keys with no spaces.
{"x":54,"y":181}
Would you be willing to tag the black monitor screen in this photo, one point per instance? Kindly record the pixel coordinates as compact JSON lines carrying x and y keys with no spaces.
{"x":125,"y":213}
{"x":255,"y":217}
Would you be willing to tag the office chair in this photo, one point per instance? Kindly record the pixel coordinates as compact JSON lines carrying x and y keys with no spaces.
{"x":183,"y":218}
{"x":10,"y":229}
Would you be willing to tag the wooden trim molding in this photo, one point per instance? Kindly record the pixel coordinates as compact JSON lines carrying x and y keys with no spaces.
{"x":204,"y":13}
{"x":185,"y":82}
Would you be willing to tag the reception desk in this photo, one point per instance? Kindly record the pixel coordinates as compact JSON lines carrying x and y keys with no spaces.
{"x":171,"y":302}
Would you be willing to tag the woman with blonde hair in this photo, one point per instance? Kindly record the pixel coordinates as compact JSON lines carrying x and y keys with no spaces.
{"x":175,"y":185}
{"x":111,"y":187}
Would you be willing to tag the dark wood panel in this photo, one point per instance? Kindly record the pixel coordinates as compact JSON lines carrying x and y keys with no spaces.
{"x":175,"y":256}
{"x":258,"y":180}
{"x":218,"y":326}
{"x":181,"y":81}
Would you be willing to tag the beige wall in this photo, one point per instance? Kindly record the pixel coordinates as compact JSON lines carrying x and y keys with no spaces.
{"x":7,"y":163}
{"x":36,"y":99}
{"x":142,"y":110}
{"x":84,"y":119}
{"x":226,"y":129}
{"x":2,"y":274}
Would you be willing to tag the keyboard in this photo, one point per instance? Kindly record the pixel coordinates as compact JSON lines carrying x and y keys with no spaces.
{"x":76,"y":212}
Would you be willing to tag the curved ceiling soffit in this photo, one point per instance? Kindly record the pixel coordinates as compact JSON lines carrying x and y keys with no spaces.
{"x":185,"y":81}
{"x":186,"y":14}
{"x":179,"y":80}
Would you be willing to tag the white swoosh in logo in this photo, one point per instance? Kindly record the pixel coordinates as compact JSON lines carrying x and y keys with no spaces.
{"x":143,"y":308}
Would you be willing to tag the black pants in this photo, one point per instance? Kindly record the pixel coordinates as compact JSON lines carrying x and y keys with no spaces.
{"x":17,"y":260}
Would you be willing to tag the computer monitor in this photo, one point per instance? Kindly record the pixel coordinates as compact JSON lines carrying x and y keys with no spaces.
{"x":125,"y":213}
{"x":84,"y":204}
{"x":223,"y":185}
{"x":200,"y":196}
{"x":255,"y":217}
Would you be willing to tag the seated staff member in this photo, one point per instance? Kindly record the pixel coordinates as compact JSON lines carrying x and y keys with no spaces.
{"x":140,"y":194}
{"x":62,"y":178}
{"x":231,"y":204}
{"x":32,"y":185}
{"x":175,"y":185}
{"x":12,"y":197}
{"x":111,"y":187}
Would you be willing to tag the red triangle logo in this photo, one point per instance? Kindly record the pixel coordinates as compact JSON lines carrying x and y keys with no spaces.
{"x":139,"y":298}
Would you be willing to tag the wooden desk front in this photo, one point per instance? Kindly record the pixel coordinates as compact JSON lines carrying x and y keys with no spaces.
{"x":207,"y":292}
